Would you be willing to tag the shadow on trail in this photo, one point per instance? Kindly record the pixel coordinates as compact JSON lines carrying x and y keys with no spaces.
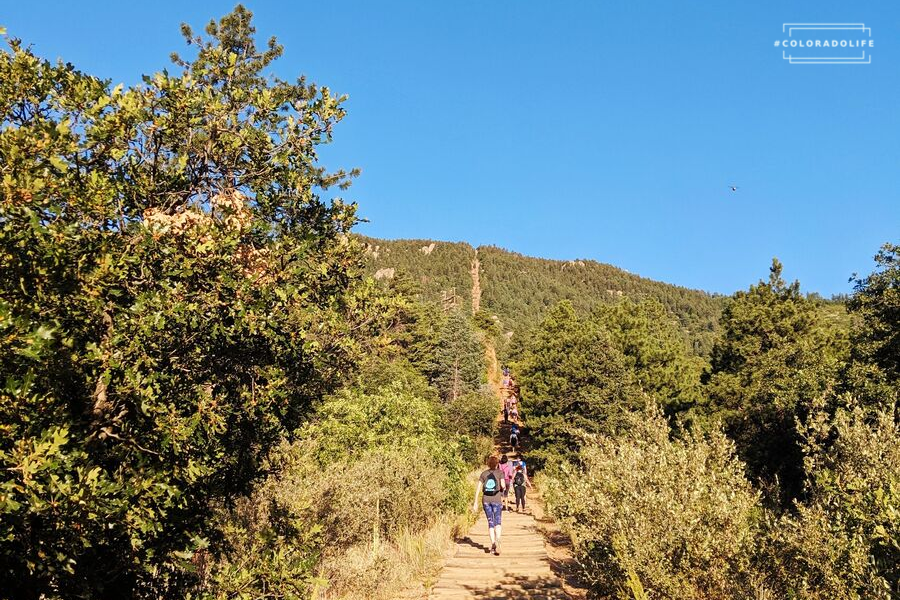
{"x":520,"y":588}
{"x":467,"y":541}
{"x":567,"y":570}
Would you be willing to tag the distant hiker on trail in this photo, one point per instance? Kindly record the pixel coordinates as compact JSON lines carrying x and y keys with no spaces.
{"x":506,"y":412}
{"x":514,"y":437}
{"x":520,"y":481}
{"x":491,"y":484}
{"x":508,"y":468}
{"x":512,"y":403}
{"x":521,"y":463}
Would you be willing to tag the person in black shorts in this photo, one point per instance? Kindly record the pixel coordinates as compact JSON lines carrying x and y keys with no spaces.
{"x":520,"y":482}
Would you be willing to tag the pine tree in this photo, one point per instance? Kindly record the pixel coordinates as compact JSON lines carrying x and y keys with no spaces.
{"x":458,"y":366}
{"x":574,"y":381}
{"x":875,"y":368}
{"x":654,"y":350}
{"x":772,"y":360}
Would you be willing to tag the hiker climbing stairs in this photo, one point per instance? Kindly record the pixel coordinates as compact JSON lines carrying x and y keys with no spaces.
{"x":521,"y":571}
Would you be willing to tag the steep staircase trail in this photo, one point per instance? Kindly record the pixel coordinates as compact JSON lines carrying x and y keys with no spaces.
{"x":523,"y":569}
{"x":476,"y":283}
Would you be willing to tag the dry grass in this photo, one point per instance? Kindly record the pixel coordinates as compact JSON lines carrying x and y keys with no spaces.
{"x":402,"y":568}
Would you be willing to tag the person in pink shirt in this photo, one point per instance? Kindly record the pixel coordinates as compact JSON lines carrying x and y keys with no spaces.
{"x":506,"y":466}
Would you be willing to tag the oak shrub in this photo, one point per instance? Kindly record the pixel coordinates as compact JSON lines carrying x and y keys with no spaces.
{"x":676,"y":514}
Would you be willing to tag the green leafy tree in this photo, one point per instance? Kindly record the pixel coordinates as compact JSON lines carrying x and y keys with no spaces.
{"x":573,"y":381}
{"x":773,"y":359}
{"x":173,"y":296}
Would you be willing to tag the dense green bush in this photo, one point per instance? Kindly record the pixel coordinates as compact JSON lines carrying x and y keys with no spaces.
{"x":472,"y":414}
{"x":677,"y":515}
{"x":844,"y":543}
{"x":367,"y":469}
{"x":473,"y":418}
{"x":174,"y":296}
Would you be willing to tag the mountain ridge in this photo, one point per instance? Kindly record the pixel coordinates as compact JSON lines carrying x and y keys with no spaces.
{"x":518,"y":289}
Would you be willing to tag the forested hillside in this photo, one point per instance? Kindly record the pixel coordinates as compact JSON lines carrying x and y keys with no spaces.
{"x":519,"y":289}
{"x":439,"y":270}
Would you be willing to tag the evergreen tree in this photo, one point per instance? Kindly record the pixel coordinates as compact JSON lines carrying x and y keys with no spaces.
{"x":875,"y":366}
{"x":654,"y":350}
{"x":773,"y":358}
{"x":574,"y":381}
{"x":458,"y":366}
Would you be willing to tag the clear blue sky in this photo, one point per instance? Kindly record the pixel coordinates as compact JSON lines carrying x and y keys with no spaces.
{"x":602,"y":130}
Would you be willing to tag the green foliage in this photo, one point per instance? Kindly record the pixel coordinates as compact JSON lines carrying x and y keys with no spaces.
{"x":472,"y":414}
{"x":377,"y":372}
{"x":673,"y":519}
{"x":875,"y":370}
{"x":654,"y":351}
{"x":774,"y":358}
{"x":458,"y":364}
{"x":573,"y":381}
{"x":844,"y":543}
{"x":488,"y":323}
{"x":367,"y":469}
{"x":472,"y":417}
{"x":173,"y":297}
{"x":352,"y":423}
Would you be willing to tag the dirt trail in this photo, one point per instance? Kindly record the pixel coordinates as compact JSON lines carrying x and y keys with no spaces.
{"x":524,"y":569}
{"x":476,"y":283}
{"x":534,"y":562}
{"x":495,"y":374}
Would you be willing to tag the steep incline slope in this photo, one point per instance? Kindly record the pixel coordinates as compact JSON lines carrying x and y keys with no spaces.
{"x":441,"y":270}
{"x":519,"y":289}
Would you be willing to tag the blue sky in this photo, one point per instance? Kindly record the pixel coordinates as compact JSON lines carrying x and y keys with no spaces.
{"x":601,"y":130}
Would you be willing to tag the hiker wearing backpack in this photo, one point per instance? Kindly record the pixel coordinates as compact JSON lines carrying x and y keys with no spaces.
{"x":491,"y":484}
{"x":520,"y":482}
{"x":521,"y":463}
{"x":513,"y":404}
{"x":514,"y":437}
